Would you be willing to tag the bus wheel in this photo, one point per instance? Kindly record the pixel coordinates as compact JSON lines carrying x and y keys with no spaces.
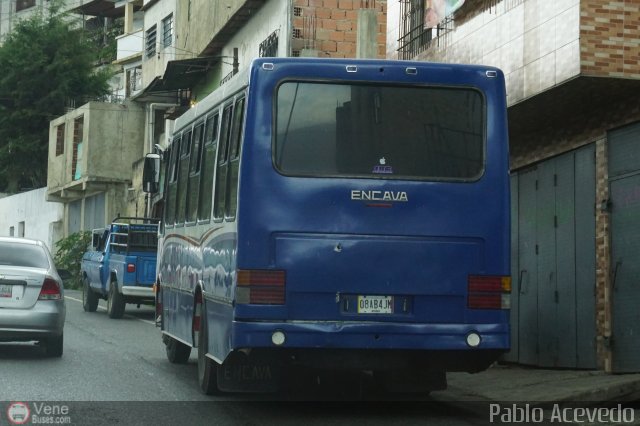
{"x":89,"y":298}
{"x":115,"y":302}
{"x":207,"y":368}
{"x":177,"y":352}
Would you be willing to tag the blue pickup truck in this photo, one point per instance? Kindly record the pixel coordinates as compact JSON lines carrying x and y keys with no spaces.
{"x":120,"y":265}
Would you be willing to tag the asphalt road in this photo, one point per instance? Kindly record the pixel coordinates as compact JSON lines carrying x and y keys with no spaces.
{"x":115,"y":372}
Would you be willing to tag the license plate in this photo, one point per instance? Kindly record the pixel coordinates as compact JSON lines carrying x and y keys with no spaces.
{"x":5,"y":290}
{"x":375,"y":304}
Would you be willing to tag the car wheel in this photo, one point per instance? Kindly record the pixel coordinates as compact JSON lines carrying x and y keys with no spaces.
{"x":115,"y":302}
{"x":207,"y":368}
{"x":177,"y":352}
{"x":53,"y":346}
{"x":89,"y":298}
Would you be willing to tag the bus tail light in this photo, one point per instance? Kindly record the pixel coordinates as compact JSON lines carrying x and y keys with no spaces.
{"x":131,"y":267}
{"x":261,"y":287}
{"x":489,"y":292}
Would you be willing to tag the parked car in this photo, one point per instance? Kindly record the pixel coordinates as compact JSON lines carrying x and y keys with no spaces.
{"x":31,"y":294}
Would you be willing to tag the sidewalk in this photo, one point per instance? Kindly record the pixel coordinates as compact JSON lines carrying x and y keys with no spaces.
{"x":512,"y":383}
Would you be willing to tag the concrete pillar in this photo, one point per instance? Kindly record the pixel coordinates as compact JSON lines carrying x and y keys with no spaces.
{"x":367,"y":44}
{"x":128,"y":18}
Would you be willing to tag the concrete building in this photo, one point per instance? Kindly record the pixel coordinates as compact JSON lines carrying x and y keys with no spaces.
{"x":29,"y":215}
{"x":573,"y":77}
{"x":92,"y":151}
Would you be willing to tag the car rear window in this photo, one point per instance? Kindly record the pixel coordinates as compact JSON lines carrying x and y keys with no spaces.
{"x":20,"y":254}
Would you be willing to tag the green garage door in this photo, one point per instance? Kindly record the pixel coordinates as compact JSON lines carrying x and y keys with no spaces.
{"x":553,"y":262}
{"x":624,"y":192}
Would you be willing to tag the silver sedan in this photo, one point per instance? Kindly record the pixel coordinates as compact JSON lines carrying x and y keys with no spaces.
{"x":31,"y":294}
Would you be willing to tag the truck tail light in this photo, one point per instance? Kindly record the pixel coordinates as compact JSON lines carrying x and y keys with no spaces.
{"x":50,"y":290}
{"x":261,"y":287}
{"x":131,"y":267}
{"x":489,"y":292}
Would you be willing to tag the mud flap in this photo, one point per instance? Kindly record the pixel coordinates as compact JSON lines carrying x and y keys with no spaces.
{"x":258,"y":372}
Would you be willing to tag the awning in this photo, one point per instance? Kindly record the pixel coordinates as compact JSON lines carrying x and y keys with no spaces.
{"x":179,"y":76}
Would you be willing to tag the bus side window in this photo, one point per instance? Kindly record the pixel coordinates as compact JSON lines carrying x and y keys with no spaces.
{"x":172,"y":185}
{"x":234,"y":159}
{"x":193,"y":190}
{"x":223,"y":164}
{"x":207,"y":167}
{"x":183,"y":176}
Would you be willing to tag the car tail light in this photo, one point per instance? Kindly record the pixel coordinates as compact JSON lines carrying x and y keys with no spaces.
{"x":261,"y":287}
{"x":50,"y":290}
{"x":131,"y":267}
{"x":489,"y":292}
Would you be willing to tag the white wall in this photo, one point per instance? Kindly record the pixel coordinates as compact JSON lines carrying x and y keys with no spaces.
{"x":42,"y":219}
{"x":273,"y":16}
{"x":535,"y":42}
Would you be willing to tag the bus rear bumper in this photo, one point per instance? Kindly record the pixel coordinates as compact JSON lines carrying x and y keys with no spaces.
{"x":371,"y":335}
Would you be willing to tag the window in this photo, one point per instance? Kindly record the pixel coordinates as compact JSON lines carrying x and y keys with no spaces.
{"x":12,"y":231}
{"x":167,"y":31}
{"x":384,"y":132}
{"x":150,"y":42}
{"x":207,"y":167}
{"x":183,"y":176}
{"x":76,"y":161}
{"x":415,"y":37}
{"x":24,"y":4}
{"x":20,"y":254}
{"x":172,"y":182}
{"x":269,"y":47}
{"x":234,"y":159}
{"x":60,"y":140}
{"x":193,"y":190}
{"x":223,"y":164}
{"x":21,"y":229}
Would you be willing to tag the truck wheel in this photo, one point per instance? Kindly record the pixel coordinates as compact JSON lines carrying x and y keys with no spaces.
{"x":89,"y":298}
{"x":207,"y":368}
{"x":115,"y":302}
{"x":53,"y":346}
{"x":177,"y":352}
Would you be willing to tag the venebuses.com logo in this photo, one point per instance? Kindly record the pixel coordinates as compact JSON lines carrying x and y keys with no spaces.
{"x":20,"y":413}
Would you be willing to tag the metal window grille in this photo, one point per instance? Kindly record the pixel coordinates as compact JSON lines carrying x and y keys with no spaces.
{"x":414,"y":37}
{"x":150,"y":42}
{"x":297,"y":33}
{"x":269,"y":47}
{"x":297,"y":11}
{"x":60,"y":140}
{"x":295,"y":53}
{"x":167,"y":31}
{"x":78,"y":134}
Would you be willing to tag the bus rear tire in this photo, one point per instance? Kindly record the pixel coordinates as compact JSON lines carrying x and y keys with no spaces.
{"x":177,"y":352}
{"x":207,"y":368}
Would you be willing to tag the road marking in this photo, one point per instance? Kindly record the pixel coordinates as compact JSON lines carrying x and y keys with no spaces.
{"x":104,"y":309}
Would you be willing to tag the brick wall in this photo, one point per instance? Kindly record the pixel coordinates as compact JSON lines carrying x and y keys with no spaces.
{"x":610,"y":38}
{"x":329,"y":27}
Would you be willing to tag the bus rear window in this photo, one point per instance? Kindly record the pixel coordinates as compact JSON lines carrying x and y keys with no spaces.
{"x":395,"y":132}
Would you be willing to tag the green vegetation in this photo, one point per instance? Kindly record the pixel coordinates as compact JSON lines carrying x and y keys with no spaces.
{"x":46,"y":63}
{"x":69,"y":253}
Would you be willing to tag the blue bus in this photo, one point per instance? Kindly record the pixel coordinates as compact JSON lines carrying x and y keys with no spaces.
{"x":338,"y":214}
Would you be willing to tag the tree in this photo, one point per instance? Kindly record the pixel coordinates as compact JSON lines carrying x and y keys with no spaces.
{"x":46,"y":62}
